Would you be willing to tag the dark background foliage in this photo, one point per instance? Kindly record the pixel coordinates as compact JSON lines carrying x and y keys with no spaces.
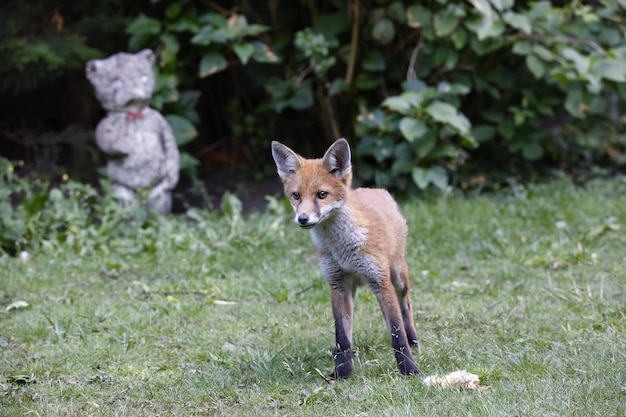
{"x":430,"y":93}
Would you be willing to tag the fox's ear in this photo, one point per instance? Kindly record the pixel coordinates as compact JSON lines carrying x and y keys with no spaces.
{"x":337,"y":159}
{"x":287,"y":161}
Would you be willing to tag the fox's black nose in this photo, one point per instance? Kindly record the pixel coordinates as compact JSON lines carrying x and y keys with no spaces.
{"x":303,"y":219}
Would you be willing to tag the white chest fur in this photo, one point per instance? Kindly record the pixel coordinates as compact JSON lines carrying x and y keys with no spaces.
{"x":341,"y":242}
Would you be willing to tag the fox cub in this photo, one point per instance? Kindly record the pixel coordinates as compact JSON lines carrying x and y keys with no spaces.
{"x":361,"y":238}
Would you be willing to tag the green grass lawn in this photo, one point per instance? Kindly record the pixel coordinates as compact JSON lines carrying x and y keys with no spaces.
{"x":216,"y":315}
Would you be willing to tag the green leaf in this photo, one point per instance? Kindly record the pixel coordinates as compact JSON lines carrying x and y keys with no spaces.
{"x":373,"y":119}
{"x":445,"y":22}
{"x":518,"y":21}
{"x":144,"y":25}
{"x":207,"y":35}
{"x":483,"y":133}
{"x":426,"y":143}
{"x":420,"y":177}
{"x":574,"y":103}
{"x":383,"y":31}
{"x":535,"y":65}
{"x":243,"y":51}
{"x":173,"y":10}
{"x":486,"y":27}
{"x":581,"y":62}
{"x":418,"y":16}
{"x":483,"y":7}
{"x":487,"y":24}
{"x":598,"y":106}
{"x":439,"y":177}
{"x":540,"y":10}
{"x":506,"y":129}
{"x":231,"y":205}
{"x":396,"y":11}
{"x":188,"y":163}
{"x":188,"y":100}
{"x":183,"y":25}
{"x":532,"y":151}
{"x":440,"y":110}
{"x":403,"y":162}
{"x":522,"y":47}
{"x":264,"y":54}
{"x":446,"y":113}
{"x":303,"y":98}
{"x":171,"y":43}
{"x":236,"y":26}
{"x":414,"y":85}
{"x":212,"y":63}
{"x":610,"y":69}
{"x":412,"y":129}
{"x":543,"y":52}
{"x":445,"y":87}
{"x":277,"y":87}
{"x":253,"y":30}
{"x":331,"y":25}
{"x":459,"y":38}
{"x":405,"y":102}
{"x":183,"y":129}
{"x":436,"y":175}
{"x":502,"y":4}
{"x":337,"y":86}
{"x":374,"y":61}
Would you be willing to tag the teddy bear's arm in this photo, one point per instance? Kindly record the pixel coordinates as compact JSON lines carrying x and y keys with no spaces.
{"x":109,"y":139}
{"x":172,"y":156}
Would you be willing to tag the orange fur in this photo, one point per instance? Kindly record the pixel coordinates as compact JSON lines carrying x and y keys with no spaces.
{"x":361,"y":238}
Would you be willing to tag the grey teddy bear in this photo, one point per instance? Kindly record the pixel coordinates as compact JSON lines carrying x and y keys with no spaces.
{"x":137,"y":139}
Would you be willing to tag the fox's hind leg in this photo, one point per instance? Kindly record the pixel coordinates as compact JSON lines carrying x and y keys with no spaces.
{"x":387,"y":294}
{"x":400,"y":279}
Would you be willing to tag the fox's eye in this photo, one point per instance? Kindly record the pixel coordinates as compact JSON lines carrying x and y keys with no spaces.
{"x":322,"y":195}
{"x":296,"y":196}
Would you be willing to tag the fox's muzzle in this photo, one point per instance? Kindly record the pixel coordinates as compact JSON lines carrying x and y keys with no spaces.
{"x":305,"y":221}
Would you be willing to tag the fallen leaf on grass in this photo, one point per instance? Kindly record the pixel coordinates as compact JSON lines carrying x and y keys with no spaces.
{"x":461,"y":379}
{"x":21,"y":379}
{"x":353,"y":397}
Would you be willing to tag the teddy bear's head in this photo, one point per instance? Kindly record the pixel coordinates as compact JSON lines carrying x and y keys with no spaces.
{"x":123,"y":82}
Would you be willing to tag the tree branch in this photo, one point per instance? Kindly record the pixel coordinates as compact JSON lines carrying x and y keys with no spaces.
{"x":411,"y":74}
{"x":354,"y":44}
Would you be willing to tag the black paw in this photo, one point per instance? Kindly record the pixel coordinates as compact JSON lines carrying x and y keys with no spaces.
{"x":343,"y":363}
{"x":342,"y":371}
{"x":409,"y":368}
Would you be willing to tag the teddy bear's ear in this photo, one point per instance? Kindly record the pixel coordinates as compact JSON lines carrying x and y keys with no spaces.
{"x":147,"y":54}
{"x":92,"y":67}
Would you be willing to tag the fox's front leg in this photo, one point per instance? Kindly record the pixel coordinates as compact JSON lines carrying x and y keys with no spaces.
{"x":342,"y":290}
{"x":342,"y":299}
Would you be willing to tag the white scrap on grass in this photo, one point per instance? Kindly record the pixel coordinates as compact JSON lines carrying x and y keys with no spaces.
{"x":17,"y":304}
{"x":223,"y":302}
{"x":24,"y":256}
{"x":461,"y":379}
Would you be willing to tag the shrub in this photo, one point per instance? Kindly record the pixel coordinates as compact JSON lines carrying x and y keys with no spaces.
{"x":496,"y":86}
{"x":70,"y":216}
{"x":429,"y":92}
